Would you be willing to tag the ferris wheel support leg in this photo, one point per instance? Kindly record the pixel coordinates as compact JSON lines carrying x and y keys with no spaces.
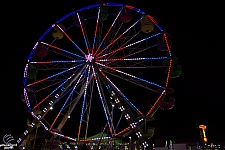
{"x":74,"y":103}
{"x":114,"y":95}
{"x":37,"y":120}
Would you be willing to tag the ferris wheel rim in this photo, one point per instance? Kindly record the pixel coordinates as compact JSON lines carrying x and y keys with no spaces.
{"x":99,"y":63}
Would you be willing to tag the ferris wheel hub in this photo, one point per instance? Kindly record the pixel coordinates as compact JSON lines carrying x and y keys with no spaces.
{"x":89,"y":57}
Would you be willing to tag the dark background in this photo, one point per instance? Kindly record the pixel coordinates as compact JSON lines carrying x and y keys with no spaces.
{"x":197,"y":36}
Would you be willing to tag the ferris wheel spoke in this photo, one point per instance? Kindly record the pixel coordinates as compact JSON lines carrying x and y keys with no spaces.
{"x":96,"y":30}
{"x":139,"y":51}
{"x":131,"y":53}
{"x":156,"y":23}
{"x":129,"y":75}
{"x":70,"y":94}
{"x":125,"y":98}
{"x":130,"y":80}
{"x":83,"y":33}
{"x":61,"y":85}
{"x":72,"y":68}
{"x":56,"y":61}
{"x":118,"y":37}
{"x":71,"y":40}
{"x":131,"y":59}
{"x":123,"y":43}
{"x":66,"y":55}
{"x":101,"y":98}
{"x":84,"y":101}
{"x":121,"y":48}
{"x":49,"y":86}
{"x":120,"y":45}
{"x":155,"y":104}
{"x":71,"y":107}
{"x":107,"y":108}
{"x":65,"y":51}
{"x":117,"y":31}
{"x":144,"y":64}
{"x":108,"y":31}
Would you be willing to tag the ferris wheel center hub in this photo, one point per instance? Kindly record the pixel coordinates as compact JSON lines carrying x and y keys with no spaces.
{"x":89,"y":58}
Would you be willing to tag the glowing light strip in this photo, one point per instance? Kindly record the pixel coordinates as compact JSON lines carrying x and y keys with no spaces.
{"x":156,"y":23}
{"x":88,"y":7}
{"x":103,"y":105}
{"x":129,"y":59}
{"x":42,"y":101}
{"x":108,"y":31}
{"x":120,"y":35}
{"x":57,"y":61}
{"x":71,"y":40}
{"x":63,"y":18}
{"x":129,"y":45}
{"x":124,"y":130}
{"x":32,"y":52}
{"x":26,"y":98}
{"x":112,"y":4}
{"x":54,"y":120}
{"x":156,"y":102}
{"x":54,"y":75}
{"x":127,"y":74}
{"x":167,"y":78}
{"x":82,"y":30}
{"x":55,"y":47}
{"x":135,"y":9}
{"x":137,"y":67}
{"x":96,"y":29}
{"x":63,"y":136}
{"x":84,"y":101}
{"x":32,"y":113}
{"x":167,"y":44}
{"x":124,"y":96}
{"x":171,"y":60}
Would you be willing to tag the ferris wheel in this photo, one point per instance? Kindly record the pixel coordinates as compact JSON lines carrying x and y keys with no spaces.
{"x":102,"y":67}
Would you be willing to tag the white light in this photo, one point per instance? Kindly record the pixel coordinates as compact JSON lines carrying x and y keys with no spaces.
{"x":51,"y":108}
{"x":68,"y":116}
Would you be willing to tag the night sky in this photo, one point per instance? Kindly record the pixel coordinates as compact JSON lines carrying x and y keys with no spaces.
{"x":197,"y":42}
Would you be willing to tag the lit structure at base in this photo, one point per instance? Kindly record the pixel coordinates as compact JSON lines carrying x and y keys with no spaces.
{"x":202,"y":129}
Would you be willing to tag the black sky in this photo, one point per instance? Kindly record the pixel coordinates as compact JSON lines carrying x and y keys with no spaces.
{"x":197,"y":36}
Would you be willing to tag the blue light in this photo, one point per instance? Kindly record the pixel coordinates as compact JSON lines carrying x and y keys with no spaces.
{"x":72,"y":13}
{"x":46,"y":32}
{"x":24,"y":81}
{"x":88,"y":7}
{"x":113,"y":4}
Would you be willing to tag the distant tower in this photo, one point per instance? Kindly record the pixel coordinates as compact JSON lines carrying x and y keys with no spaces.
{"x":202,"y":129}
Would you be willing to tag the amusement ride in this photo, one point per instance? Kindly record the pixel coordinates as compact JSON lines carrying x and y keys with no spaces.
{"x":101,"y":68}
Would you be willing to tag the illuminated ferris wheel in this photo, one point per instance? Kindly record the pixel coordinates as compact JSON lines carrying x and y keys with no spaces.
{"x":102,"y":67}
